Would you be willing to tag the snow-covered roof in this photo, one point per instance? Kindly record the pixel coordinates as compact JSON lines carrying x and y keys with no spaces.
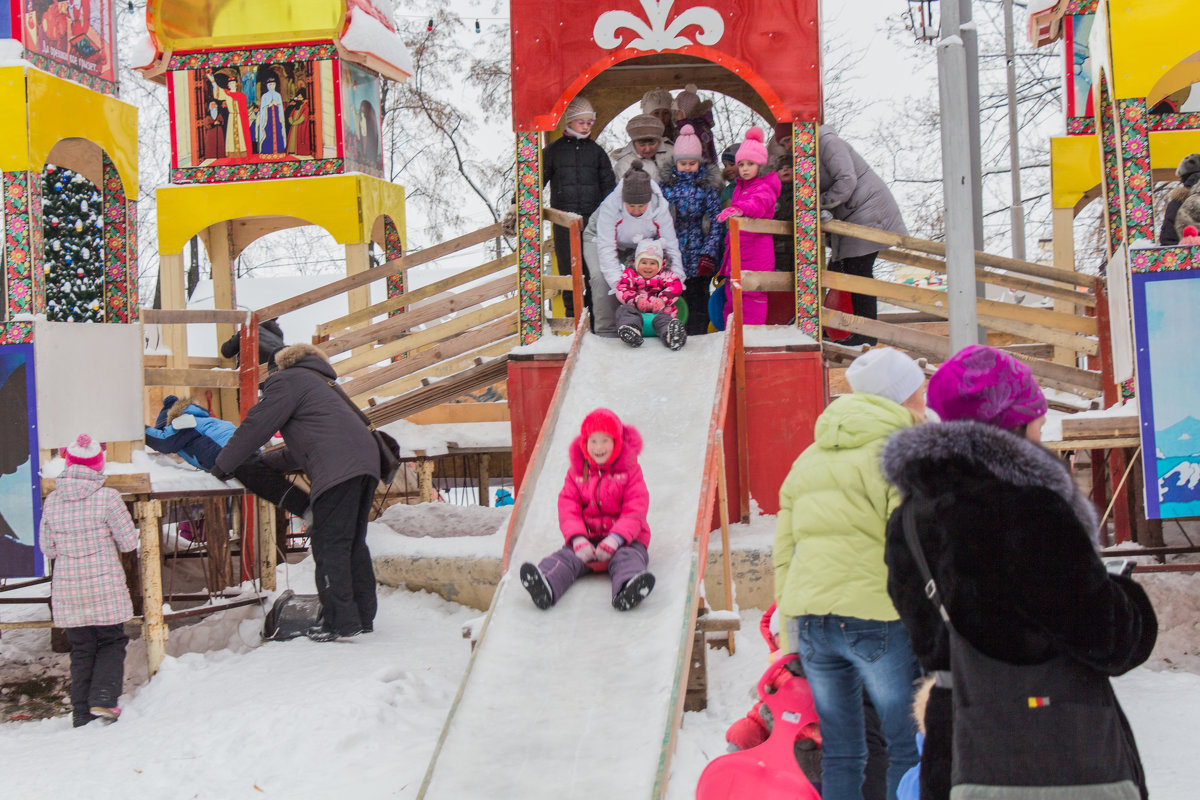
{"x":380,"y":47}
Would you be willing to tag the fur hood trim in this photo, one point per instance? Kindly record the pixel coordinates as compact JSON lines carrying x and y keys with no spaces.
{"x":711,"y":177}
{"x":631,"y":448}
{"x":180,"y":408}
{"x":288,"y":356}
{"x":1005,"y":456}
{"x":1179,"y":194}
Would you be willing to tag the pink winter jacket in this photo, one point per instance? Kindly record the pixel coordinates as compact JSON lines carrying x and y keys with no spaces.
{"x":650,"y":295}
{"x":755,"y":198}
{"x":610,"y":498}
{"x":83,"y":527}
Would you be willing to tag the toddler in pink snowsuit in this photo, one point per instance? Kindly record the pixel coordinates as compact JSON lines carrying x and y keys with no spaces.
{"x":754,"y":195}
{"x":648,"y":287}
{"x":602,"y":513}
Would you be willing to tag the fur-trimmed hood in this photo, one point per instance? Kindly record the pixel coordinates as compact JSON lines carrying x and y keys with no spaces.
{"x":631,"y":448}
{"x":291,"y":355}
{"x":181,"y":407}
{"x":917,"y":461}
{"x":709,"y":177}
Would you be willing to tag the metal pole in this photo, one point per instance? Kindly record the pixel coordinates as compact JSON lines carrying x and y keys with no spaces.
{"x":1014,"y":156}
{"x":959,"y":215}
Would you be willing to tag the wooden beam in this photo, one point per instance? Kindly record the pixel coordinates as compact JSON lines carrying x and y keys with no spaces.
{"x":441,"y":369}
{"x":383,"y":271}
{"x":123,"y":482}
{"x":457,"y":413}
{"x":187,"y":316}
{"x":432,"y":335}
{"x":416,"y":295}
{"x":446,"y":305}
{"x":436,"y":394}
{"x":196,"y":378}
{"x":1100,"y":427}
{"x":1063,"y":243}
{"x":1068,"y":277}
{"x":557,"y":283}
{"x":485,"y":334}
{"x":559,"y":217}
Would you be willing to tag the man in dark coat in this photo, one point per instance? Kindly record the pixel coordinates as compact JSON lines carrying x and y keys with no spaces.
{"x":1189,"y":174}
{"x":580,"y":175}
{"x":1009,"y":541}
{"x":326,"y":439}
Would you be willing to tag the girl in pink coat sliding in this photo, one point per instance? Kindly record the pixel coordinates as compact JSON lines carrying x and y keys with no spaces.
{"x":754,"y":195}
{"x":83,"y":527}
{"x":602,"y":513}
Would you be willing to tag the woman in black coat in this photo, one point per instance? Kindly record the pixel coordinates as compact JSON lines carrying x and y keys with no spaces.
{"x":1010,"y":543}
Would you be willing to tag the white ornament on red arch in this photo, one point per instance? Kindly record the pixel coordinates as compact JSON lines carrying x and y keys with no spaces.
{"x":655,"y":32}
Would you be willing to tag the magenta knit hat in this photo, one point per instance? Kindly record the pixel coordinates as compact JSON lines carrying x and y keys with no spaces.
{"x":85,"y":452}
{"x":687,"y":145}
{"x":753,"y":148}
{"x":602,"y":421}
{"x":987,"y":385}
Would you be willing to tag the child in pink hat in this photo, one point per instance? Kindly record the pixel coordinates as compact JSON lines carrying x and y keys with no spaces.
{"x":754,"y":195}
{"x":602,"y":513}
{"x":84,"y":525}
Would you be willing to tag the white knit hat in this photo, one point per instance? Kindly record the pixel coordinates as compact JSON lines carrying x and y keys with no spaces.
{"x":579,"y":108}
{"x":655,"y":99}
{"x":885,"y":372}
{"x":649,"y":248}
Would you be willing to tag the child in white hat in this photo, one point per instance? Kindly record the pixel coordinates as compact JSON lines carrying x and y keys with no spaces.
{"x":647,"y":287}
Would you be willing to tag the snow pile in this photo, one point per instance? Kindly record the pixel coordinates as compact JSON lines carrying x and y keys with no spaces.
{"x":441,"y":520}
{"x":1176,"y":599}
{"x":435,"y":440}
{"x":367,"y":35}
{"x":774,"y":336}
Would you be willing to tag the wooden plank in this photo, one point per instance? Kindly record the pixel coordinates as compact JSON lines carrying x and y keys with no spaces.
{"x":383,"y":271}
{"x":558,"y":217}
{"x":416,"y":295}
{"x":194,"y":362}
{"x":1092,"y":444}
{"x":196,"y":378}
{"x":1068,"y":277}
{"x":768,"y":282}
{"x":432,"y":335}
{"x":1022,"y":330}
{"x":441,"y":369}
{"x":123,"y":482}
{"x":186,"y":316}
{"x":1043,"y":317}
{"x":557,"y":283}
{"x":450,"y":303}
{"x":435,"y":394}
{"x":1100,"y":427}
{"x":457,"y":413}
{"x":991,"y":276}
{"x":458,"y":345}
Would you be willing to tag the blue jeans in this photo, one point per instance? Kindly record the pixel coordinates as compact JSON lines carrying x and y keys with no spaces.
{"x":841,"y":655}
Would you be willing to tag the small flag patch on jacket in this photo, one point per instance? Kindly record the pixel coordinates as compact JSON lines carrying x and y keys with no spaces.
{"x":1039,"y":702}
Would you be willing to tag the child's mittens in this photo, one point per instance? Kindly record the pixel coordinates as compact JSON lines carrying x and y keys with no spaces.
{"x":583,"y":549}
{"x":183,"y":422}
{"x":732,"y":211}
{"x":608,"y":546}
{"x":706,"y":265}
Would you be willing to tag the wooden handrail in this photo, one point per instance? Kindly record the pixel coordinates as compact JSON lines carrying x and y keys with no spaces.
{"x":190,"y":316}
{"x":193,"y":378}
{"x":442,"y":369}
{"x":386,"y":270}
{"x":736,"y":224}
{"x":560,"y":217}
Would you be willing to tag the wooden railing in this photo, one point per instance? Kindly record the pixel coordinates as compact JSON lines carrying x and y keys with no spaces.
{"x":1076,"y":333}
{"x":561,"y":284}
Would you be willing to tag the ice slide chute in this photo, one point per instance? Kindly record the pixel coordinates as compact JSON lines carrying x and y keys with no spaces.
{"x":581,"y":700}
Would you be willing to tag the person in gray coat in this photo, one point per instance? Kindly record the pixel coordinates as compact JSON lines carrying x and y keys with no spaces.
{"x":852,"y":192}
{"x":326,"y":439}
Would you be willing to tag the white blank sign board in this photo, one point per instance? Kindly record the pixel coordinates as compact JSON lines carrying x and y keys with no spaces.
{"x":89,"y":380}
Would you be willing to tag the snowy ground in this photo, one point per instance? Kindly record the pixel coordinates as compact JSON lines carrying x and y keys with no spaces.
{"x":229,"y":718}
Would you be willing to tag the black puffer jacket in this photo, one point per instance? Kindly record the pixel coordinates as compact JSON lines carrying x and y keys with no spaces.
{"x":270,"y":342}
{"x":324,"y":436}
{"x":580,"y":175}
{"x":1008,"y":538}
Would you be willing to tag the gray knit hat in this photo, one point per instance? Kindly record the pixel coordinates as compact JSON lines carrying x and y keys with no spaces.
{"x":655,"y":99}
{"x":635,"y":186}
{"x":644,"y":126}
{"x":1189,"y":165}
{"x":579,"y":108}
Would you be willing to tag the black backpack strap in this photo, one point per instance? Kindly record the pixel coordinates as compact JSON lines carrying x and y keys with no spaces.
{"x":908,"y":516}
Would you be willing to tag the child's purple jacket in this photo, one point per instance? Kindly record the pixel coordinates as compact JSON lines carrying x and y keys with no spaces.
{"x":597,"y":500}
{"x":755,"y":198}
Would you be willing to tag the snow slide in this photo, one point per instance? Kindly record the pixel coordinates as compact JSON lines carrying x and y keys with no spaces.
{"x":582,"y":700}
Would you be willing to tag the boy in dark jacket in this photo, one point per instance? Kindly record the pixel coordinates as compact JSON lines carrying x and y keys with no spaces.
{"x":270,"y":342}
{"x":580,"y":177}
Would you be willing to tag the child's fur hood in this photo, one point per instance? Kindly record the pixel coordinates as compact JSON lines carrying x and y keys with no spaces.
{"x":288,"y":356}
{"x":631,"y":448}
{"x":180,"y":408}
{"x":711,"y":177}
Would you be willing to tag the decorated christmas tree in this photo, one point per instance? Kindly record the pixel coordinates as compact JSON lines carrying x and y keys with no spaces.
{"x":72,"y":224}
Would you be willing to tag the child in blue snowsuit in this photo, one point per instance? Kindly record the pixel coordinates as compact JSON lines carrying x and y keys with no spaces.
{"x":185,"y":427}
{"x":693,"y":189}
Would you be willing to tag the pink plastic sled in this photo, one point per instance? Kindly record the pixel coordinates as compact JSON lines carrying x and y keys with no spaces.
{"x":769,"y":771}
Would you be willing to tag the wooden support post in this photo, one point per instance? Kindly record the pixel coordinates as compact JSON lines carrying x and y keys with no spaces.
{"x":696,"y":694}
{"x":1064,"y":259}
{"x":216,"y":541}
{"x":485,"y":461}
{"x":357,"y":261}
{"x":739,"y":368}
{"x":154,"y":629}
{"x":577,"y":267}
{"x":173,"y":286}
{"x":723,"y":511}
{"x":266,"y":545}
{"x":425,"y":480}
{"x":1118,"y":460}
{"x":218,"y":243}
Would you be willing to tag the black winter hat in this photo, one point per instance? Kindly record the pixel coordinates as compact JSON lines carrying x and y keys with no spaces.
{"x":635,"y":188}
{"x":1189,"y":166}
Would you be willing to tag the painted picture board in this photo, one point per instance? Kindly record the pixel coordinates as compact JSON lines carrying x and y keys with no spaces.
{"x":361,"y":125}
{"x":1166,"y":326}
{"x":20,"y":484}
{"x":77,"y":35}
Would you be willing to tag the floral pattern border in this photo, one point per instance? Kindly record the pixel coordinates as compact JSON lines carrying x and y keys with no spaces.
{"x":1080,"y":7}
{"x":393,"y":248}
{"x":71,"y":74}
{"x":116,"y":249}
{"x":1175,"y":122}
{"x":16,"y":332}
{"x":807,"y":233}
{"x":1111,"y":172}
{"x":22,"y":260}
{"x":1136,"y":180}
{"x":321,"y":51}
{"x":1164,"y":259}
{"x":1081,"y":126}
{"x":227,"y":173}
{"x":529,"y":235}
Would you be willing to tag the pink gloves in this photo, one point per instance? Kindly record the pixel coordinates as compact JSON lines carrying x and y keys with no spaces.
{"x":608,"y":546}
{"x":727,"y":213}
{"x":583,"y":549}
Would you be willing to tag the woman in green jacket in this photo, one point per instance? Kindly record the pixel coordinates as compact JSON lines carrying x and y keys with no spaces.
{"x":830,"y":578}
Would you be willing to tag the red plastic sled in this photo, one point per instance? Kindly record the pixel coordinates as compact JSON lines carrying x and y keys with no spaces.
{"x":769,"y":771}
{"x":837,"y":300}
